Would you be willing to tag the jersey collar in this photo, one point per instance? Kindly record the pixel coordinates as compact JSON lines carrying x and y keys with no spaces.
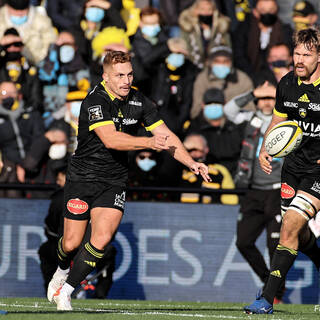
{"x":112,"y":97}
{"x":315,"y":83}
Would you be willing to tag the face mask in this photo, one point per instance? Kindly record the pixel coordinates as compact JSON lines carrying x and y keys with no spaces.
{"x":75,"y":108}
{"x":176,"y":59}
{"x":221,"y":71}
{"x":213,"y":111}
{"x":268,"y":19}
{"x":66,"y":53}
{"x":146,"y":164}
{"x":57,"y":151}
{"x":279,"y":64}
{"x":151,"y":30}
{"x":12,"y":56}
{"x":94,"y":14}
{"x":7,"y":103}
{"x":205,"y":19}
{"x":18,"y":20}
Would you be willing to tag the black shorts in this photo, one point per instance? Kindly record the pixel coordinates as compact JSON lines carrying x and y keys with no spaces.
{"x":81,"y":197}
{"x":291,"y":182}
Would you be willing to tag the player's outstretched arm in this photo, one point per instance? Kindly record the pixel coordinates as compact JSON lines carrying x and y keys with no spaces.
{"x":178,"y":151}
{"x":264,"y":158}
{"x":121,"y":141}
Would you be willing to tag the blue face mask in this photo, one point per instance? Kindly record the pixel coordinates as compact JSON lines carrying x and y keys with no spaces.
{"x":213,"y":111}
{"x":221,"y":70}
{"x":151,"y":30}
{"x":75,"y":108}
{"x":66,"y":53}
{"x":176,"y":59}
{"x":18,"y":20}
{"x":94,"y":14}
{"x":146,"y":164}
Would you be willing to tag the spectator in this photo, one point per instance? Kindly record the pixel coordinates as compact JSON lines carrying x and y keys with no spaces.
{"x":172,"y":86}
{"x":252,"y":40}
{"x":61,"y":71}
{"x":197,"y":146}
{"x":53,"y":231}
{"x":220,"y":73}
{"x":279,"y":63}
{"x":150,"y":46}
{"x":32,"y":24}
{"x":131,"y":16}
{"x":304,"y":15}
{"x":15,"y":67}
{"x":65,"y":14}
{"x":203,"y":27}
{"x":260,"y":207}
{"x":21,"y":134}
{"x":223,"y":136}
{"x":97,"y":15}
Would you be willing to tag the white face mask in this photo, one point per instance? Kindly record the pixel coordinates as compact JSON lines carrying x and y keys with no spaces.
{"x":57,"y":151}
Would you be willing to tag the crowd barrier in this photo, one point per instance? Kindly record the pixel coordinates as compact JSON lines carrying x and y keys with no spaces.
{"x":166,"y":251}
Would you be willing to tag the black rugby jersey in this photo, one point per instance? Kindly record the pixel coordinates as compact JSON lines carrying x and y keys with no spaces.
{"x":301,"y":102}
{"x":92,"y":160}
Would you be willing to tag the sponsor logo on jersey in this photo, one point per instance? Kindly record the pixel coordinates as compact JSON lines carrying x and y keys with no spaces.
{"x":129,"y":121}
{"x":290,"y":104}
{"x":314,"y":106}
{"x":135,"y":103}
{"x":115,"y":120}
{"x":302,"y":112}
{"x":120,"y":200}
{"x":316,"y":187}
{"x":309,"y":127}
{"x":77,"y":206}
{"x":287,"y":191}
{"x":95,"y":113}
{"x":304,"y":98}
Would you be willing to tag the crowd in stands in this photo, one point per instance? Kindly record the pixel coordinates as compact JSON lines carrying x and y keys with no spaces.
{"x":190,"y":57}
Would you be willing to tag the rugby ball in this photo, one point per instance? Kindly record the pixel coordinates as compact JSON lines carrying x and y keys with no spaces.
{"x":283,"y":138}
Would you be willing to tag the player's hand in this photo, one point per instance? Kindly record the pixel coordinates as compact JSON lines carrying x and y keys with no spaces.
{"x":159,"y":142}
{"x":198,"y":167}
{"x":265,"y":160}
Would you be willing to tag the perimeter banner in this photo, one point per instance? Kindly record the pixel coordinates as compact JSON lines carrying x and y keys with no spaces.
{"x":166,"y":251}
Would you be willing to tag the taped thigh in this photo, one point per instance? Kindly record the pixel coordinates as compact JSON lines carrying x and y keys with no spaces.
{"x":303,"y":205}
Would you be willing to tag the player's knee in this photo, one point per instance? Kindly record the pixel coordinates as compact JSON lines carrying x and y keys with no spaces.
{"x":70,"y":243}
{"x":243,"y":244}
{"x":101,"y":239}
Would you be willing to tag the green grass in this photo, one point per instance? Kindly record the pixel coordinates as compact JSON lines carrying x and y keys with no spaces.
{"x":38,"y":308}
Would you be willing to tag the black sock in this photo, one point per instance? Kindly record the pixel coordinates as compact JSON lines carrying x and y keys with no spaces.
{"x":84,"y":263}
{"x":282,"y":260}
{"x":64,"y":259}
{"x":312,"y":250}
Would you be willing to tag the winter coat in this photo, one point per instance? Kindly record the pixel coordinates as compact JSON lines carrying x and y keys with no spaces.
{"x":191,"y":33}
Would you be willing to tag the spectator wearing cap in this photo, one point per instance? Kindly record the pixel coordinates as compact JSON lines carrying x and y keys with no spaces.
{"x":33,"y":25}
{"x":203,"y":27}
{"x":223,"y":136}
{"x":220,"y":73}
{"x":14,"y":66}
{"x":62,"y":70}
{"x":252,"y":39}
{"x":304,"y":15}
{"x":197,"y":146}
{"x":172,"y":85}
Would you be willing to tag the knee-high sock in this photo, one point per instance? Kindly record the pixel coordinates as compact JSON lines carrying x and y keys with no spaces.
{"x":282,"y":260}
{"x":64,"y":259}
{"x":84,"y":263}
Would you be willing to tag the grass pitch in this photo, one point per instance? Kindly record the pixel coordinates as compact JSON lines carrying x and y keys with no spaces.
{"x":38,"y":308}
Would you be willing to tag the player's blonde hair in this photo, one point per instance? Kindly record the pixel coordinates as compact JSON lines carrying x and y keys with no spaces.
{"x":114,"y":57}
{"x":309,"y":37}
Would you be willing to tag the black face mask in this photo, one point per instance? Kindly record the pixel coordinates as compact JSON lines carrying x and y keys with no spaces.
{"x":279,"y":64}
{"x":7,"y":103}
{"x":205,"y":19}
{"x":12,"y":56}
{"x":268,"y":19}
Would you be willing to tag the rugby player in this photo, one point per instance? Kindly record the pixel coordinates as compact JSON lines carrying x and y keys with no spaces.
{"x":95,"y":189}
{"x":298,"y":99}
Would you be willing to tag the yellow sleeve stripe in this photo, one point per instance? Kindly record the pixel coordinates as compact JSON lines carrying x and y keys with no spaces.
{"x":279,"y":114}
{"x":153,"y":126}
{"x":100,"y":124}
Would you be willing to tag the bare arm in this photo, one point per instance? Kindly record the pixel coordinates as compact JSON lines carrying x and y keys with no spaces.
{"x":178,"y":151}
{"x":264,"y":157}
{"x":118,"y":140}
